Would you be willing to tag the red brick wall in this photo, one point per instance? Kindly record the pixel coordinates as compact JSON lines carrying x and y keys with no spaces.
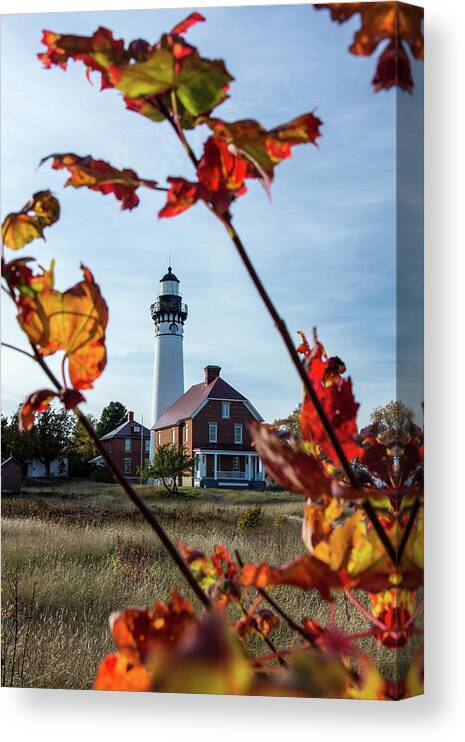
{"x":162,"y":437}
{"x":212,"y":412}
{"x":116,"y":447}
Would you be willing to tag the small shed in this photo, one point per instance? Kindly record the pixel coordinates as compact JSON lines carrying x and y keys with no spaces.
{"x":11,"y":475}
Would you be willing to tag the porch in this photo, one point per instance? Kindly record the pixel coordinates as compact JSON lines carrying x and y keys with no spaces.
{"x":228,"y":469}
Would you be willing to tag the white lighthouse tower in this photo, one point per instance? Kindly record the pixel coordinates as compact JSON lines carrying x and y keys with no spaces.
{"x":169,"y":314}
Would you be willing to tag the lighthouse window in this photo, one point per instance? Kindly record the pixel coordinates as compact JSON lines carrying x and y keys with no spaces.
{"x":238,"y":434}
{"x":225,"y":408}
{"x":212,"y":433}
{"x":127,"y":444}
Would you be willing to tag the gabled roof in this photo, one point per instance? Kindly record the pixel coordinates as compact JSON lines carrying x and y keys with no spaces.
{"x":186,"y":406}
{"x":124,"y":430}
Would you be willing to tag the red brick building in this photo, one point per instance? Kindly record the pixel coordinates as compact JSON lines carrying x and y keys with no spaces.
{"x":129,"y":446}
{"x":211,"y":420}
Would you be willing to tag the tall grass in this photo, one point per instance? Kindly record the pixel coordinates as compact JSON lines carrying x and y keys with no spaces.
{"x":76,"y":559}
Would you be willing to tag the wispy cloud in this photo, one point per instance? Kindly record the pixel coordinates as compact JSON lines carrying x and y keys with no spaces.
{"x":325,"y":246}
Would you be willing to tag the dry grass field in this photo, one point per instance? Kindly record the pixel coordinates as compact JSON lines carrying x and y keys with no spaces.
{"x":72,"y":554}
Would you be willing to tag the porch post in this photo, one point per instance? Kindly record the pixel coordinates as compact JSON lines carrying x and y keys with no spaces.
{"x":215,"y":466}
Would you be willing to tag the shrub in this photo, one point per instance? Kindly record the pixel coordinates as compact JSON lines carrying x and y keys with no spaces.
{"x":101,"y":475}
{"x":251,"y":518}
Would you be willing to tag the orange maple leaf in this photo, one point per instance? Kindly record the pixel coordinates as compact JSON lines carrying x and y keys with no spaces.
{"x":395,"y":22}
{"x":73,"y":321}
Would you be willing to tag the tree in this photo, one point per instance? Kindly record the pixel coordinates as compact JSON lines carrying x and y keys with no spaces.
{"x":15,"y":442}
{"x":113,"y":414}
{"x":81,"y":450}
{"x":46,"y":441}
{"x":169,"y":463}
{"x":50,"y":435}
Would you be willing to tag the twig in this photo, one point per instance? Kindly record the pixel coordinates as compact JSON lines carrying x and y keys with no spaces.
{"x":263,"y":636}
{"x":18,"y":350}
{"x":364,"y":612}
{"x":290,"y":621}
{"x":132,"y":494}
{"x":167,"y":114}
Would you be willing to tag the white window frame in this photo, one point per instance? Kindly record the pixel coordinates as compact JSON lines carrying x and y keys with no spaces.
{"x":186,"y":434}
{"x":213,"y":427}
{"x":127,"y":466}
{"x":225,"y":410}
{"x":127,"y":445}
{"x":159,"y":438}
{"x":173,"y":436}
{"x":238,"y":429}
{"x":136,"y":429}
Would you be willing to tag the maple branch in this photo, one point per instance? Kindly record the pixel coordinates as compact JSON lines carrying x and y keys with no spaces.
{"x":308,"y":386}
{"x":122,"y":481}
{"x":226,"y":220}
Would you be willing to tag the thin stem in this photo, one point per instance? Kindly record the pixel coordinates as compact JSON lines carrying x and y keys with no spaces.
{"x":167,"y":114}
{"x":18,"y":350}
{"x":284,"y":332}
{"x":290,"y":621}
{"x":263,"y":636}
{"x":415,"y":614}
{"x":308,"y":386}
{"x":364,"y":612}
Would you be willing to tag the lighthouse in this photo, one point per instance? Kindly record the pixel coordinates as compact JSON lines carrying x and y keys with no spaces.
{"x":169,"y":314}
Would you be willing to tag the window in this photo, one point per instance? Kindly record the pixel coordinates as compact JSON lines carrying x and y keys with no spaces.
{"x":186,"y":434}
{"x":127,"y":444}
{"x":159,"y":439}
{"x":127,"y":466}
{"x":212,"y":433}
{"x":238,"y":434}
{"x":235,"y":463}
{"x":225,"y":410}
{"x":173,"y":435}
{"x":147,"y":445}
{"x":136,"y":428}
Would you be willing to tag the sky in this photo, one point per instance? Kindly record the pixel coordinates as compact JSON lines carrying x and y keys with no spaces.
{"x":325,"y":247}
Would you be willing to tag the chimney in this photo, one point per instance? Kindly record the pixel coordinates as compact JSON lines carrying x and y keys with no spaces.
{"x":130,"y":416}
{"x":211,"y":373}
